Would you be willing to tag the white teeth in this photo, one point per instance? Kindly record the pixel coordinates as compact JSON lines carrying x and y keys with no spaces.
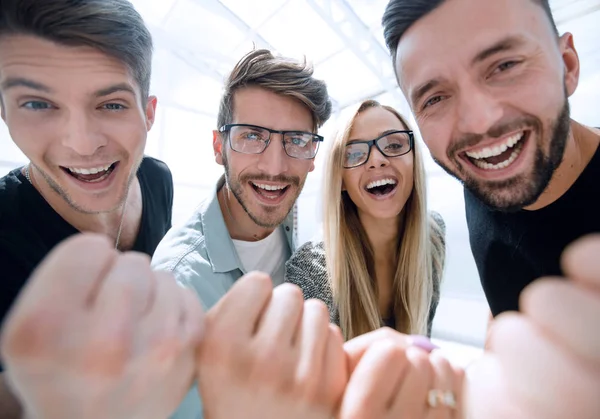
{"x":91,"y":171}
{"x":381,"y":182}
{"x":501,"y":165}
{"x":497,"y":150}
{"x":269,"y":187}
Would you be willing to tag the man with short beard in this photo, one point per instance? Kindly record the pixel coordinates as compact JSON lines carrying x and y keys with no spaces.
{"x":266,"y":139}
{"x":490,"y":96}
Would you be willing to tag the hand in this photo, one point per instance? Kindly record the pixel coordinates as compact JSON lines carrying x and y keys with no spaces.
{"x":392,"y":378}
{"x":97,"y":334}
{"x":545,"y":362}
{"x":267,"y":354}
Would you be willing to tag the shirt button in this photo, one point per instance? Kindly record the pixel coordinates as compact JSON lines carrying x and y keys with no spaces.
{"x":287,"y":229}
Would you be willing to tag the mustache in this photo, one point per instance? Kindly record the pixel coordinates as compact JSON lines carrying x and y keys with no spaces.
{"x":292,"y":180}
{"x":500,"y":129}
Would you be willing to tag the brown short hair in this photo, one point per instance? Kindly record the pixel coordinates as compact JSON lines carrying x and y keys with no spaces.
{"x":280,"y":75}
{"x":113,"y":27}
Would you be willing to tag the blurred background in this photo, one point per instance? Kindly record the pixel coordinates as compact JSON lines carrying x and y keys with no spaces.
{"x":197,"y":42}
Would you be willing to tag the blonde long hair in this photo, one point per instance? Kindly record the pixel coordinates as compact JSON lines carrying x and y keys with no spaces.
{"x":349,"y":255}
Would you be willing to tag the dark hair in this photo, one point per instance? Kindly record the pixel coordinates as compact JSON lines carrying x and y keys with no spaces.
{"x":400,"y":15}
{"x":280,"y":75}
{"x":113,"y":27}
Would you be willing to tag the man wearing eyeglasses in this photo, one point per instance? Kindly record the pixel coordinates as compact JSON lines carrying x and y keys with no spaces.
{"x":266,"y":140}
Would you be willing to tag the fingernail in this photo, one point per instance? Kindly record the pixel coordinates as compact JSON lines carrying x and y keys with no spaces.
{"x":423,"y":343}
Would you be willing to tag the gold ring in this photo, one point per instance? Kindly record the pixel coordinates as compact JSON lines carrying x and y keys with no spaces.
{"x":438,"y":398}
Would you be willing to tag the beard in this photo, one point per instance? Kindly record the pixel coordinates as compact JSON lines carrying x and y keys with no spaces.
{"x":62,"y":192}
{"x":272,"y":216}
{"x":514,"y":194}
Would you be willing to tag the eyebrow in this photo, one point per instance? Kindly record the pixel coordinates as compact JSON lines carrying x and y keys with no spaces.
{"x":505,"y":44}
{"x":13,"y":82}
{"x":421,"y":90}
{"x":121,"y":87}
{"x":381,"y":134}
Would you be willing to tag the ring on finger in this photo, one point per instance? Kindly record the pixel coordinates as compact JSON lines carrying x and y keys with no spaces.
{"x":440,"y":398}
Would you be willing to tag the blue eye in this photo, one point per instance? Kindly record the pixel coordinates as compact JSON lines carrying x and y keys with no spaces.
{"x":507,"y":65}
{"x":36,"y":105}
{"x":434,"y":100}
{"x":114,"y":107}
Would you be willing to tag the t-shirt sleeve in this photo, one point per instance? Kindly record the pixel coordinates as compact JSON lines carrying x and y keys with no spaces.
{"x":14,"y":276}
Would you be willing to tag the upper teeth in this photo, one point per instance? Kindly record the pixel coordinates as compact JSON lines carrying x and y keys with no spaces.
{"x":497,"y":150}
{"x":91,"y":171}
{"x":381,"y":182}
{"x":270,"y":187}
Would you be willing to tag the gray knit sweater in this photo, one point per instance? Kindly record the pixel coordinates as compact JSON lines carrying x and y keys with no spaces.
{"x":307,"y":269}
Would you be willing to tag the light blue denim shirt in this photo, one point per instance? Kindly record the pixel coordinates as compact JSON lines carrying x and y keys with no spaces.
{"x":202,"y":256}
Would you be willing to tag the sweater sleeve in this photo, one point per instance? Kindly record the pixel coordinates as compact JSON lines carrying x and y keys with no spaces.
{"x":307,"y":269}
{"x":438,"y":257}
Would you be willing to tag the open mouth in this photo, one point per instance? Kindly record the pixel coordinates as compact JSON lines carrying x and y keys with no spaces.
{"x":381,"y":188}
{"x":91,"y":175}
{"x":272,"y":192}
{"x":501,"y":155}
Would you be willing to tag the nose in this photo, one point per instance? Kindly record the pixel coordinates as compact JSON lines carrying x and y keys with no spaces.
{"x":81,"y":134}
{"x":274,"y":161}
{"x":377,"y":159}
{"x":478,"y":111}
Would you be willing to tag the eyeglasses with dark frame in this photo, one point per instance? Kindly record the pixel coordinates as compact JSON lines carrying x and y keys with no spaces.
{"x":254,"y":139}
{"x":391,"y":144}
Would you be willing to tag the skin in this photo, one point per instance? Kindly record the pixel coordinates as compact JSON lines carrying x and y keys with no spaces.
{"x":58,"y":119}
{"x":121,"y":343}
{"x":62,"y":117}
{"x":380,"y":218}
{"x":250,"y":218}
{"x":480,"y":100}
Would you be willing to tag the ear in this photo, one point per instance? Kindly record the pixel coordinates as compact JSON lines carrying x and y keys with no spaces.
{"x":571,"y":62}
{"x":218,"y":147}
{"x":151,"y":112}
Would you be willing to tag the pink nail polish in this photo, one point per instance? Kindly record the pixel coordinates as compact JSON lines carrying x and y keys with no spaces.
{"x":423,"y":342}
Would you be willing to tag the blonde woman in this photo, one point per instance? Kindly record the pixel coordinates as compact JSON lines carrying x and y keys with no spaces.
{"x":382,"y":257}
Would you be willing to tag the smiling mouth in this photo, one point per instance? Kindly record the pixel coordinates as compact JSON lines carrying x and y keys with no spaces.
{"x":501,"y":155}
{"x":382,"y":187}
{"x":270,"y":191}
{"x":91,"y":175}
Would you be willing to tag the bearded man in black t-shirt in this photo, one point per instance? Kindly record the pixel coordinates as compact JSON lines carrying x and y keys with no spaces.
{"x":490,"y":96}
{"x":74,"y":91}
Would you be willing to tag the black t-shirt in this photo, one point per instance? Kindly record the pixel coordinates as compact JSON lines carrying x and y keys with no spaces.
{"x":513,"y":249}
{"x":30,"y":228}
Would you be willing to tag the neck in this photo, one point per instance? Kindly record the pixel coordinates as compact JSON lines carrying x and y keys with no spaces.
{"x":579,"y":150}
{"x":238,"y":222}
{"x":125,"y":217}
{"x":383,"y":235}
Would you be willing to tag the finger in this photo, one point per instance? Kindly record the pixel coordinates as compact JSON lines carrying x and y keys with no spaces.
{"x":443,"y":380}
{"x":239,"y":311}
{"x":313,"y":342}
{"x":129,"y":287}
{"x":372,"y":385}
{"x":355,"y":348}
{"x":162,"y":329}
{"x":567,"y":313}
{"x":541,"y":374}
{"x":581,"y":263}
{"x":193,"y":321}
{"x":411,"y":399}
{"x":335,"y":362}
{"x":58,"y":289}
{"x":280,"y":321}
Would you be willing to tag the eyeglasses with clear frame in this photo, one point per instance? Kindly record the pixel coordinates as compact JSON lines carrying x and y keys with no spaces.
{"x":391,"y":144}
{"x":253,"y":139}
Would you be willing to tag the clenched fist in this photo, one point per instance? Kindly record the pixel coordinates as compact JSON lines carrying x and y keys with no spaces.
{"x":268,"y":354}
{"x":98,"y":334}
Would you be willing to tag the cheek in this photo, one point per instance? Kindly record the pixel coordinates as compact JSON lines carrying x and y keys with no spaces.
{"x":351,"y":180}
